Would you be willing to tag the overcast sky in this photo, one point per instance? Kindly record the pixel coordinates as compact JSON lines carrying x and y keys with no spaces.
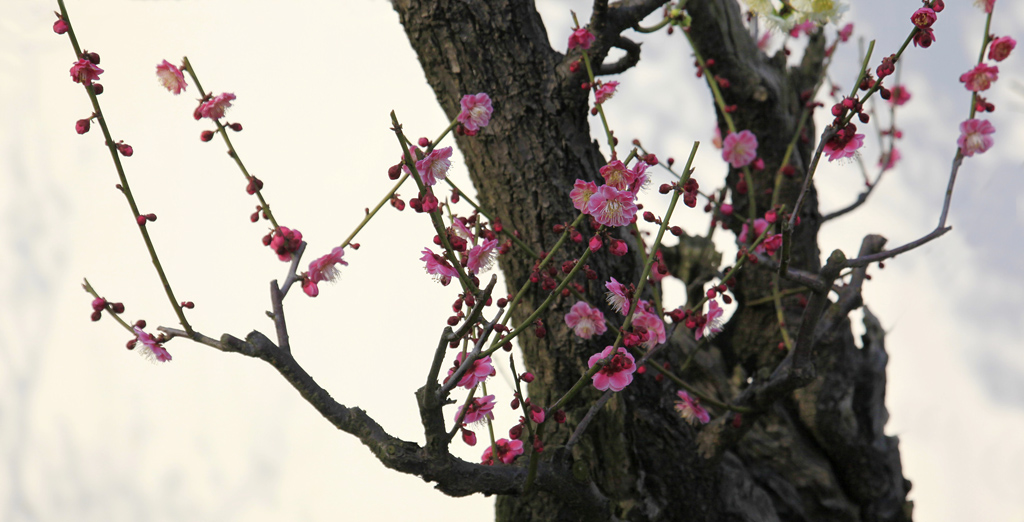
{"x":90,"y":431}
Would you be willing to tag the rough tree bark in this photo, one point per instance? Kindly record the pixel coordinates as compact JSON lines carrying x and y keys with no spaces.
{"x":815,"y":449}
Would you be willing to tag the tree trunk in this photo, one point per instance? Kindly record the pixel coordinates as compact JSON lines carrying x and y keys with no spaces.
{"x":819,"y":453}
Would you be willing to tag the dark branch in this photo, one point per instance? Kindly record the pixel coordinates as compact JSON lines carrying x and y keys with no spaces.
{"x":631,"y":58}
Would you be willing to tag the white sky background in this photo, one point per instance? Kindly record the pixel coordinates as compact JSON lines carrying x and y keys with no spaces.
{"x":89,"y":431}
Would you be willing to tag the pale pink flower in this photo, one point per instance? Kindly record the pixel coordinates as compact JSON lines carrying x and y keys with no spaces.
{"x":617,"y":373}
{"x":438,"y":267}
{"x":215,"y":107}
{"x":986,"y":5}
{"x":476,"y":111}
{"x":975,"y":136}
{"x":171,"y":77}
{"x":604,"y":92}
{"x":580,"y":195}
{"x":1000,"y":48}
{"x":151,"y":349}
{"x":617,"y":175}
{"x":739,"y":149}
{"x":652,"y":323}
{"x":581,"y":38}
{"x":585,"y":320}
{"x":84,"y":71}
{"x":690,"y":409}
{"x":434,"y":167}
{"x":716,"y":138}
{"x":481,"y":257}
{"x":979,"y":78}
{"x":617,"y":296}
{"x":508,"y":450}
{"x":713,"y":325}
{"x":461,"y":230}
{"x":640,"y":178}
{"x":611,"y":207}
{"x":480,"y":370}
{"x":323,"y":269}
{"x":900,"y":95}
{"x":478,"y":410}
{"x":888,"y":161}
{"x":838,"y":150}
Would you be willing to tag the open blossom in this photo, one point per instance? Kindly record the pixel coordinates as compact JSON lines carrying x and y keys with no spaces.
{"x":1000,"y":48}
{"x":580,"y":195}
{"x":652,"y":323}
{"x":477,"y":411}
{"x":438,"y":266}
{"x":508,"y":450}
{"x":986,"y":5}
{"x":979,"y":78}
{"x":581,"y":38}
{"x":611,"y":207}
{"x":150,"y":348}
{"x":820,"y":11}
{"x":900,"y":95}
{"x":323,"y":269}
{"x":434,"y":167}
{"x":924,"y":17}
{"x":476,"y":374}
{"x":171,"y":77}
{"x":617,"y":175}
{"x":690,"y":409}
{"x":618,"y":296}
{"x":640,"y":177}
{"x":481,"y":257}
{"x":739,"y":149}
{"x":476,"y":111}
{"x":214,"y":108}
{"x":84,"y":71}
{"x":975,"y":136}
{"x":713,"y":321}
{"x":604,"y":92}
{"x":617,"y":373}
{"x":844,"y":144}
{"x":585,"y":320}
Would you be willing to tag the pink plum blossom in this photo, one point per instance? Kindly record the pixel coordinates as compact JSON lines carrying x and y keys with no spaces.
{"x":975,"y":136}
{"x":481,"y":257}
{"x":151,"y":349}
{"x":508,"y":450}
{"x":845,"y":32}
{"x":771,"y":242}
{"x":1000,"y":48}
{"x":477,"y":373}
{"x":900,"y":95}
{"x":604,"y":92}
{"x":888,"y":161}
{"x":713,"y":324}
{"x":611,"y":207}
{"x":640,"y":177}
{"x":980,"y":78}
{"x":216,"y":106}
{"x":476,"y":112}
{"x":581,"y":38}
{"x":84,"y":71}
{"x":285,"y":242}
{"x":477,"y":411}
{"x":739,"y":149}
{"x":434,"y":167}
{"x":690,"y":409}
{"x":585,"y":320}
{"x":617,"y":373}
{"x":985,"y":5}
{"x":171,"y":77}
{"x":652,"y":323}
{"x":323,"y":269}
{"x":438,"y":266}
{"x":580,"y":195}
{"x":836,"y":149}
{"x":617,"y":175}
{"x":618,"y":297}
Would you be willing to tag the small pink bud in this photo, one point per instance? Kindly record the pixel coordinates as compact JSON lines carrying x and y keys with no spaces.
{"x":82,"y":126}
{"x":771,"y":216}
{"x":469,"y":437}
{"x":99,"y":304}
{"x":141,"y":323}
{"x":141,"y":220}
{"x":118,"y":308}
{"x":424,"y":142}
{"x":97,"y":88}
{"x":595,"y":243}
{"x":237,"y":127}
{"x":206,"y":135}
{"x":151,"y":217}
{"x":526,"y":377}
{"x":188,"y":304}
{"x":96,"y":315}
{"x":125,"y":149}
{"x":60,"y":26}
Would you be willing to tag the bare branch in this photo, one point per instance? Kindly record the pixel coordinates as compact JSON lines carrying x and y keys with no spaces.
{"x":631,"y":58}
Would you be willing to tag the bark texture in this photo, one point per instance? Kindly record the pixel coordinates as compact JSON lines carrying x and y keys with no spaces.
{"x":815,"y":454}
